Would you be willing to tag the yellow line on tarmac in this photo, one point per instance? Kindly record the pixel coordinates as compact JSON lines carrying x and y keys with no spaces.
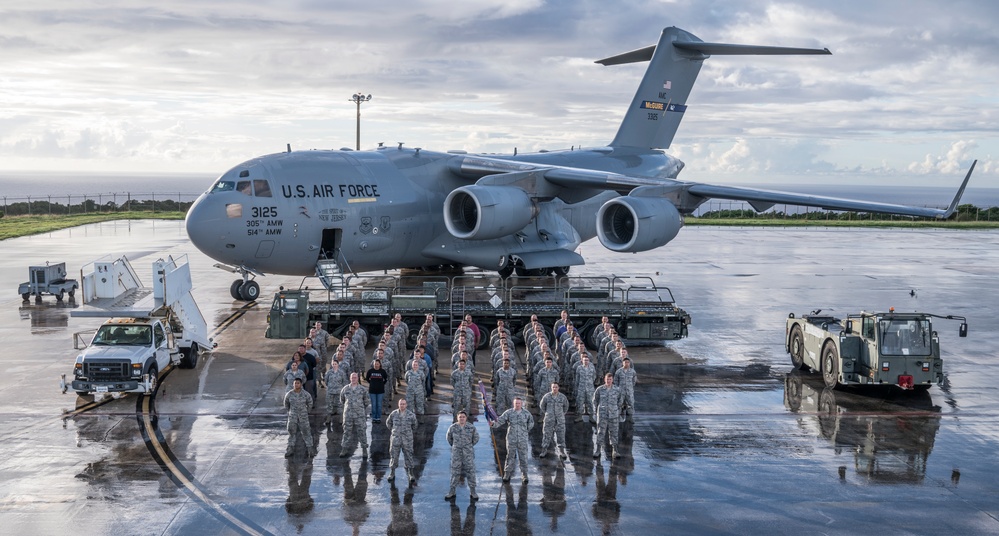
{"x":179,"y":475}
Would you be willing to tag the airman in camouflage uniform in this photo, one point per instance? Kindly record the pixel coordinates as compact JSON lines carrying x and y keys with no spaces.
{"x":461,"y":384}
{"x":506,"y":378}
{"x":336,"y":379}
{"x":416,"y":390}
{"x":462,"y":436}
{"x":356,"y":408}
{"x":298,"y":402}
{"x":586,"y":375}
{"x":402,"y":425}
{"x":519,"y":422}
{"x":553,"y":408}
{"x":545,"y":378}
{"x":626,"y":378}
{"x":291,"y":374}
{"x":608,"y":401}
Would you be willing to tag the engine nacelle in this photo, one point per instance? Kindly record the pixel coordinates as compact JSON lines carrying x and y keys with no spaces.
{"x":630,"y":224}
{"x":485,"y":212}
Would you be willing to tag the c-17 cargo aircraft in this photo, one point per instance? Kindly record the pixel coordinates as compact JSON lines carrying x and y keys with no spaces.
{"x":331,"y":212}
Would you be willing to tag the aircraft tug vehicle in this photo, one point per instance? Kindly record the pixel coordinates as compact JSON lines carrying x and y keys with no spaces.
{"x":892,"y":348}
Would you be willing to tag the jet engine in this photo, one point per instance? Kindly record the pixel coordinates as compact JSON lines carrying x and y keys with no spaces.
{"x":631,"y":224}
{"x":484,"y":212}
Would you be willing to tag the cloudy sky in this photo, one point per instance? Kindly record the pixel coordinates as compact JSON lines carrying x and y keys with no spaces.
{"x":910,"y":94}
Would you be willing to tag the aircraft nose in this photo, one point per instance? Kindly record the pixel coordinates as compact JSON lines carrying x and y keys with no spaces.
{"x":204,"y":225}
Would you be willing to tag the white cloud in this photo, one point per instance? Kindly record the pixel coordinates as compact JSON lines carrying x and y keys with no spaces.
{"x":200,"y":86}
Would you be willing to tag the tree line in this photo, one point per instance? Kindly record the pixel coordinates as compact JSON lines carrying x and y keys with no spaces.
{"x":964,"y":213}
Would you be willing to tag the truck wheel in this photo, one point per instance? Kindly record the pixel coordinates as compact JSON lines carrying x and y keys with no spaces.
{"x":60,"y":295}
{"x":190,"y":357}
{"x":561,"y":271}
{"x":797,"y":348}
{"x":154,"y":376}
{"x":830,"y":365}
{"x":249,"y":291}
{"x":234,"y":289}
{"x":82,"y":393}
{"x":72,"y":292}
{"x":26,"y":296}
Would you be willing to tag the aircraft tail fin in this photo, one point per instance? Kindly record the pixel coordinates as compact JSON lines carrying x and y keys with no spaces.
{"x":655,"y":113}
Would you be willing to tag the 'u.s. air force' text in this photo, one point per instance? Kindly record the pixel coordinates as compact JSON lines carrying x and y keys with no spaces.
{"x":330,"y":190}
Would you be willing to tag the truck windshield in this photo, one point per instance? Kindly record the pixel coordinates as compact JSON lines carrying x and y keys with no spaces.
{"x":905,"y":337}
{"x":123,"y":336}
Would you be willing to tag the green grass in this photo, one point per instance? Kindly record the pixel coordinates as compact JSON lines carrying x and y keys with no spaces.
{"x":16,"y":226}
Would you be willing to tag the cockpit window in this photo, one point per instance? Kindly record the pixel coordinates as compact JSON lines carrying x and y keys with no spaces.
{"x":245,"y":187}
{"x":224,"y":186}
{"x":262,"y":188}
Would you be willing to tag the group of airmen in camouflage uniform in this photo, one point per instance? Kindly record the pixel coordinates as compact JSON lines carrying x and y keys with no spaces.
{"x":547,"y":371}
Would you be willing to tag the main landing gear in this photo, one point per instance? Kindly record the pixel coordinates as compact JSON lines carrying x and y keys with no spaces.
{"x":509,"y":269}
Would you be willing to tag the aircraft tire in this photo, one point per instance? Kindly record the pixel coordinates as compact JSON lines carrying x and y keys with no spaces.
{"x":483,"y":338}
{"x":249,"y":291}
{"x":234,"y":289}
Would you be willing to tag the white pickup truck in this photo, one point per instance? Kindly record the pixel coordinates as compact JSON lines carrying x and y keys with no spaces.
{"x":149,"y":329}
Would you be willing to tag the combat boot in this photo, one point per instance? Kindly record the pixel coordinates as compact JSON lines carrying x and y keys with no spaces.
{"x":412,"y":477}
{"x":472,"y":496}
{"x":565,"y":454}
{"x":288,"y":453}
{"x":391,"y":475}
{"x":344,"y":453}
{"x":596,"y":453}
{"x":544,"y":452}
{"x":450,"y":495}
{"x":616,"y":454}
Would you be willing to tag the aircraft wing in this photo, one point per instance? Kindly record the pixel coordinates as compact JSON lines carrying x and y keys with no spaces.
{"x":764,"y":199}
{"x":687,"y":196}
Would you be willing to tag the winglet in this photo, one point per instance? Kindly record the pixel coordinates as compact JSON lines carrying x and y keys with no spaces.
{"x":960,"y":192}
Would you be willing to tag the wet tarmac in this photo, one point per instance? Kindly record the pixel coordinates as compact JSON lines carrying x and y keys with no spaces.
{"x":726,"y":440}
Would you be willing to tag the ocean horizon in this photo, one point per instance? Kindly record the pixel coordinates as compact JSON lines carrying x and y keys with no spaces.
{"x":18,"y":186}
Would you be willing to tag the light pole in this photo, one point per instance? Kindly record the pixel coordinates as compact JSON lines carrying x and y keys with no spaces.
{"x":358,"y":98}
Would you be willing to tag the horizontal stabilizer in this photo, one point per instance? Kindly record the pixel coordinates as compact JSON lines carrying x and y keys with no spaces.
{"x":727,"y":49}
{"x":719,"y":49}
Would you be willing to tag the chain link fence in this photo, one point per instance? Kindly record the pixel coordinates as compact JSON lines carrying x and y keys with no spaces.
{"x":97,"y":203}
